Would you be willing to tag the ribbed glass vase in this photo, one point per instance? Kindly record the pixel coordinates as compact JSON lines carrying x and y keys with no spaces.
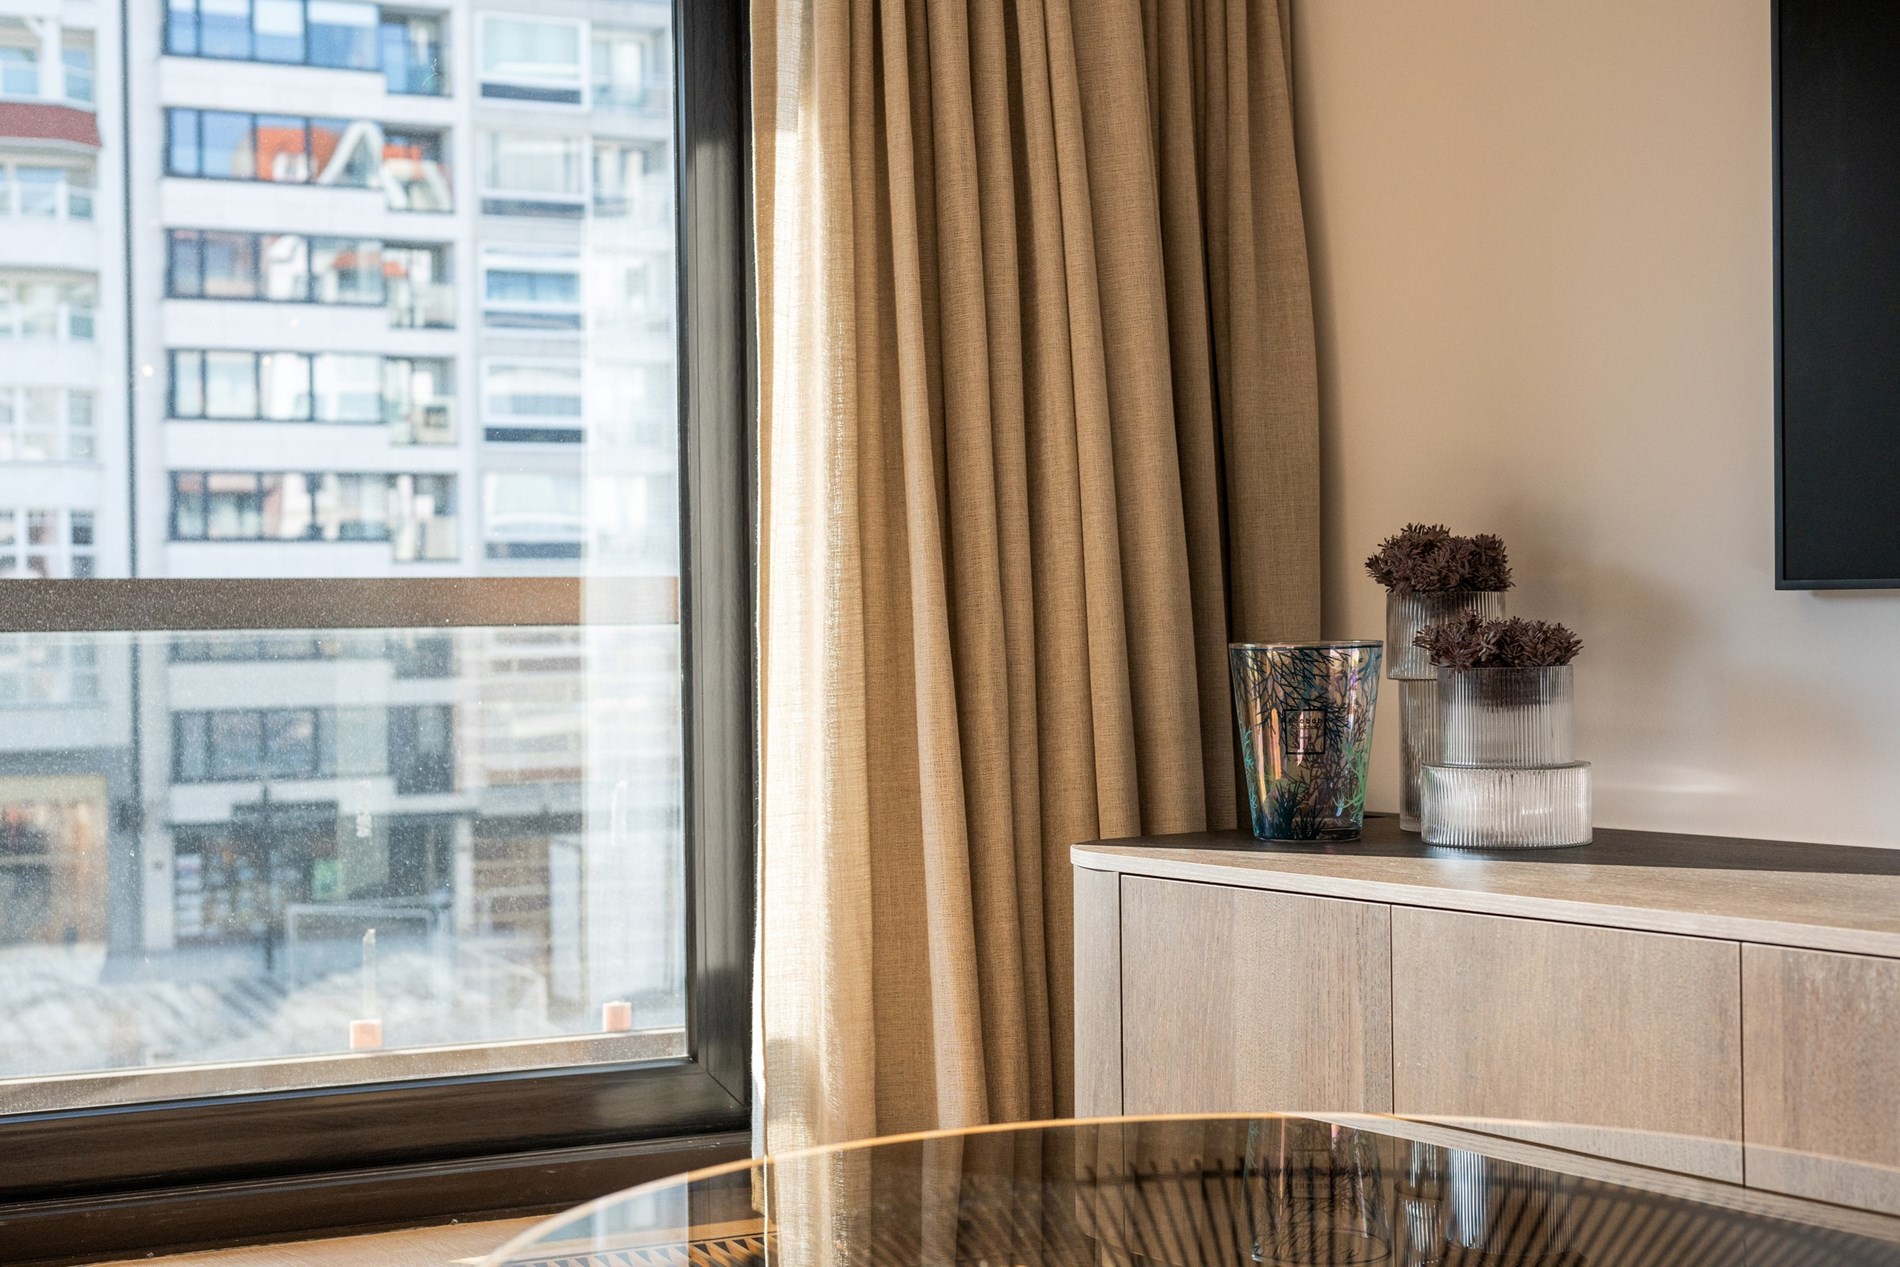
{"x":1505,"y":717}
{"x":1418,"y":742}
{"x":1406,"y":614}
{"x":1475,"y":807}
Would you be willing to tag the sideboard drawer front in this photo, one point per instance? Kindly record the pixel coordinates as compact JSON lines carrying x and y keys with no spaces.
{"x":1239,"y":999}
{"x":1822,"y":1075}
{"x":1593,"y":1028}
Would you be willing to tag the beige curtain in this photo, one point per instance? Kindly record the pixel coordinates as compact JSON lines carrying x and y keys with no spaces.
{"x":1038,"y":439}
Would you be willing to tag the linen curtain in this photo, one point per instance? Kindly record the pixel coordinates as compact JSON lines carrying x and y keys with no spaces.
{"x":1038,"y":438}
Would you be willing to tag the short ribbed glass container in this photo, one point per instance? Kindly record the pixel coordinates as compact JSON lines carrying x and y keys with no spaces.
{"x":1418,"y":743}
{"x":1505,"y":717}
{"x":1407,"y":613}
{"x":1478,"y":807}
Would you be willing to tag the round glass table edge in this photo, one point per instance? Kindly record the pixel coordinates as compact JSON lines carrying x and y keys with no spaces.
{"x":1473,"y":1129}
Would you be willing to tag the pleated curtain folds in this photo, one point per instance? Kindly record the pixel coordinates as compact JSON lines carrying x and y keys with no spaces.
{"x":1038,"y":438}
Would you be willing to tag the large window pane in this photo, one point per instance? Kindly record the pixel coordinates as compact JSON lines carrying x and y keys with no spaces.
{"x":321,"y":391}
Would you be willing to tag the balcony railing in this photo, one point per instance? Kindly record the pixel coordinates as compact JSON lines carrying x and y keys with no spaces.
{"x":43,"y":194}
{"x":430,"y":423}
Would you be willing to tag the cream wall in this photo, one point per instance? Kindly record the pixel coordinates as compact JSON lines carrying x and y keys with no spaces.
{"x":1541,"y":244}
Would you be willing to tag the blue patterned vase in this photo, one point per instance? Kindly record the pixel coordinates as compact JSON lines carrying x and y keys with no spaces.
{"x":1305,"y":712}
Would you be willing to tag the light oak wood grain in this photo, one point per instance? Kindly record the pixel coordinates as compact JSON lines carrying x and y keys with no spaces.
{"x":1536,"y":1022}
{"x":1821,"y":1075}
{"x":1239,"y":999}
{"x":1819,"y":897}
{"x":412,"y":1247}
{"x":1098,"y":1000}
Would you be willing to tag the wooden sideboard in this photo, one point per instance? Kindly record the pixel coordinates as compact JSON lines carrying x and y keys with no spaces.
{"x":1715,"y":1007}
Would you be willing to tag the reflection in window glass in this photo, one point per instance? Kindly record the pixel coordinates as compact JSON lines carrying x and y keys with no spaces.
{"x":277,"y":27}
{"x":343,"y":34}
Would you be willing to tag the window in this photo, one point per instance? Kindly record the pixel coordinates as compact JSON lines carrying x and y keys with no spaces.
{"x":410,"y":510}
{"x":415,"y":174}
{"x":46,"y":544}
{"x":419,"y":285}
{"x":46,"y":424}
{"x":76,"y":64}
{"x":410,"y":394}
{"x":344,"y":34}
{"x":47,"y":308}
{"x":410,"y":282}
{"x":360,"y":667}
{"x":45,"y":191}
{"x":48,"y":670}
{"x":628,"y":71}
{"x":341,"y":34}
{"x":532,"y":515}
{"x":633,"y":180}
{"x":413,"y":61}
{"x":532,"y":291}
{"x":532,"y":174}
{"x":19,"y":60}
{"x":283,"y":149}
{"x":418,"y":400}
{"x":532,"y":401}
{"x":531,"y":59}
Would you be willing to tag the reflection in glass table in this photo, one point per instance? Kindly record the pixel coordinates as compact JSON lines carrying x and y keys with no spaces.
{"x":1288,"y":1191}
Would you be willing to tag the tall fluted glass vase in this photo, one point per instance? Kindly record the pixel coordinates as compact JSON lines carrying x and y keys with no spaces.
{"x":1407,"y":612}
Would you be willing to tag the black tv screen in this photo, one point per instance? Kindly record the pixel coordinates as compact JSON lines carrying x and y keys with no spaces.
{"x":1837,"y":284}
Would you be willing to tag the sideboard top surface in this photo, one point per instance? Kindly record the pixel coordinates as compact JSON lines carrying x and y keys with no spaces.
{"x":1818,"y":897}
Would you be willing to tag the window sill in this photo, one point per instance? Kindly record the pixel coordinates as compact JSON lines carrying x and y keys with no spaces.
{"x":412,"y":1247}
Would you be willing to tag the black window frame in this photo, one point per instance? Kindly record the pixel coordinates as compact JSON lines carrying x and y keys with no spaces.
{"x":83,"y":1185}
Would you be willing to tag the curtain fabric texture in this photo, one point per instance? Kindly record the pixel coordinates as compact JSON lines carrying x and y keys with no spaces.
{"x":1038,"y":438}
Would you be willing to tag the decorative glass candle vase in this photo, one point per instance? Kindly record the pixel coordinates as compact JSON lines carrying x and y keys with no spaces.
{"x":1502,"y":772}
{"x":1505,"y":717}
{"x":1305,"y":714}
{"x":1407,"y":613}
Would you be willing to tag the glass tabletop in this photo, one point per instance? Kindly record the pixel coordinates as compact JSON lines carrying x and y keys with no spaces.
{"x":1189,"y":1192}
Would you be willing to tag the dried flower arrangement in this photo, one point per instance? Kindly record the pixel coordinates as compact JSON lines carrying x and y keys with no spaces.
{"x":1472,"y":642}
{"x":1428,"y":559}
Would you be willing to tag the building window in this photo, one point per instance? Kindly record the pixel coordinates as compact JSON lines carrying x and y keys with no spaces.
{"x":629,"y":71}
{"x":340,"y":34}
{"x":291,"y":268}
{"x":35,"y":308}
{"x":532,"y":515}
{"x":42,"y":669}
{"x":411,"y":394}
{"x":633,"y":180}
{"x":45,"y":191}
{"x":46,"y":544}
{"x":534,"y":401}
{"x":420,"y":287}
{"x":230,"y":745}
{"x":532,"y":291}
{"x":46,"y":424}
{"x":533,"y":174}
{"x":283,"y":149}
{"x":419,"y":400}
{"x":414,"y":512}
{"x":19,"y":60}
{"x":413,"y":59}
{"x":532,"y":59}
{"x":415,"y":172}
{"x":76,"y":64}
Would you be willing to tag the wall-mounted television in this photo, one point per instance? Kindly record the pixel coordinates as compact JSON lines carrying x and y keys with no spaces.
{"x":1837,"y":294}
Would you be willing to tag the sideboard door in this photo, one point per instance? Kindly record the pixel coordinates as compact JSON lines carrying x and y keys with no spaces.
{"x":1822,"y":1075}
{"x":1540,"y":1022}
{"x":1238,"y":999}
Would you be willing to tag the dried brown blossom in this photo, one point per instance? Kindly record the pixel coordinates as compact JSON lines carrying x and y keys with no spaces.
{"x":1472,"y":642}
{"x":1428,"y":559}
